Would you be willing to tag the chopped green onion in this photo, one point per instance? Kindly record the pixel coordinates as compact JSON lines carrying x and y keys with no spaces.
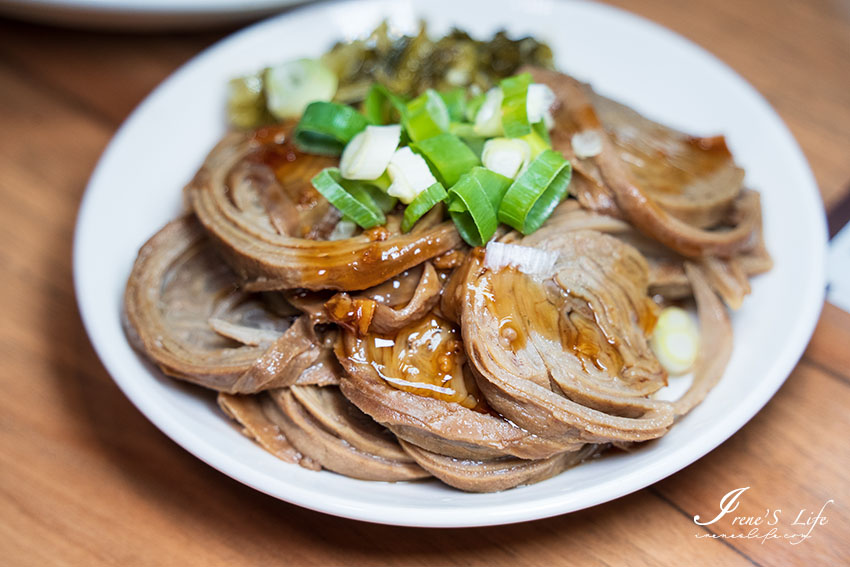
{"x":448,"y":156}
{"x":488,"y":118}
{"x":380,"y":197}
{"x":383,"y":182}
{"x":515,"y":105}
{"x":379,"y":104}
{"x":466,"y":132}
{"x":352,"y":199}
{"x":455,"y":100}
{"x":463,"y":130}
{"x":410,"y":175}
{"x":537,"y":139}
{"x":507,"y":156}
{"x":423,"y":203}
{"x":473,"y":106}
{"x":536,"y":192}
{"x":540,"y":99}
{"x":291,"y":86}
{"x":542,"y":130}
{"x":367,"y":154}
{"x":326,"y":127}
{"x":426,"y":116}
{"x":473,"y":202}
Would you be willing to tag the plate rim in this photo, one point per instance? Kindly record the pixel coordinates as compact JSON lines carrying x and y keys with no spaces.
{"x":782,"y":365}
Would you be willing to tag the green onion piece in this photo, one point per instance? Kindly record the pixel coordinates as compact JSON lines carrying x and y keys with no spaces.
{"x":455,"y":100}
{"x":352,"y":198}
{"x":423,"y":203}
{"x":473,"y":105}
{"x":448,"y":156}
{"x":541,"y":130}
{"x":379,"y":195}
{"x":383,"y":182}
{"x":379,"y":104}
{"x":292,"y":85}
{"x":536,"y":192}
{"x":515,"y":104}
{"x":466,"y":132}
{"x":473,"y":202}
{"x":463,"y":130}
{"x":326,"y":127}
{"x":538,"y":139}
{"x":425,"y":116}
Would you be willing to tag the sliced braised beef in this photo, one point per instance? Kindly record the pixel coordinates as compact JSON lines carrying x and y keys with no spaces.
{"x":416,"y":383}
{"x":373,"y":312}
{"x":715,"y":342}
{"x":178,"y":286}
{"x":326,"y":369}
{"x":565,"y":355}
{"x":390,"y":356}
{"x":609,"y":173}
{"x":495,"y":474}
{"x":383,"y":308}
{"x":254,"y":197}
{"x":252,"y":413}
{"x":693,"y":178}
{"x":322,"y":424}
{"x":729,"y":277}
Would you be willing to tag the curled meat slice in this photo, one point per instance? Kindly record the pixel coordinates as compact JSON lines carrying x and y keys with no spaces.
{"x":252,"y":413}
{"x":177,"y":285}
{"x":611,"y":177}
{"x":715,"y":342}
{"x":369,"y":314}
{"x":495,"y":474}
{"x":322,"y":424}
{"x":565,"y":355}
{"x":729,"y":277}
{"x":271,"y":242}
{"x":693,"y":178}
{"x":318,"y":428}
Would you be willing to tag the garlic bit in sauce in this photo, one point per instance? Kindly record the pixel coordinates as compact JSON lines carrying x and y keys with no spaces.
{"x":675,"y":340}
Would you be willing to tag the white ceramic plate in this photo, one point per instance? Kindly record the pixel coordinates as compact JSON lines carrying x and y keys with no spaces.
{"x":142,"y":14}
{"x":136,"y":189}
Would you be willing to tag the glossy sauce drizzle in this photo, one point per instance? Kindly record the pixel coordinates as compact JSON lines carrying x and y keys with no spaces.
{"x":425,"y":358}
{"x":543,"y":309}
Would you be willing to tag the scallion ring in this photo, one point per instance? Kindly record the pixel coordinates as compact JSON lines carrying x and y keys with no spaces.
{"x":530,"y":199}
{"x":326,"y":127}
{"x":455,"y":100}
{"x":379,"y":104}
{"x":352,"y":198}
{"x":423,"y":203}
{"x":515,"y":105}
{"x":448,"y":156}
{"x":474,"y":202}
{"x":426,"y":116}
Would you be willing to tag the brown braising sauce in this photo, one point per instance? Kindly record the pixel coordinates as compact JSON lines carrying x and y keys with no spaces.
{"x":542,"y":309}
{"x":296,"y":208}
{"x":425,"y":358}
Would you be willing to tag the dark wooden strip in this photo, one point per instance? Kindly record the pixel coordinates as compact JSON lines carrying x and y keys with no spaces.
{"x":839,"y":214}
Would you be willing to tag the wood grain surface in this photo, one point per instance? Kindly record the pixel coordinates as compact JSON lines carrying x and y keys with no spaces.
{"x":85,"y":479}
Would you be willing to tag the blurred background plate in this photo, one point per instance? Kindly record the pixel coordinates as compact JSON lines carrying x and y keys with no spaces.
{"x":142,"y":15}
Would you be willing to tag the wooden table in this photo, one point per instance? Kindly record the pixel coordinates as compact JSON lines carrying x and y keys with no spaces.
{"x":85,"y":479}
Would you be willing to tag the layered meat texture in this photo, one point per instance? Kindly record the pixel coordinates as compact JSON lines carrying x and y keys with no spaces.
{"x":392,"y":356}
{"x":254,"y":198}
